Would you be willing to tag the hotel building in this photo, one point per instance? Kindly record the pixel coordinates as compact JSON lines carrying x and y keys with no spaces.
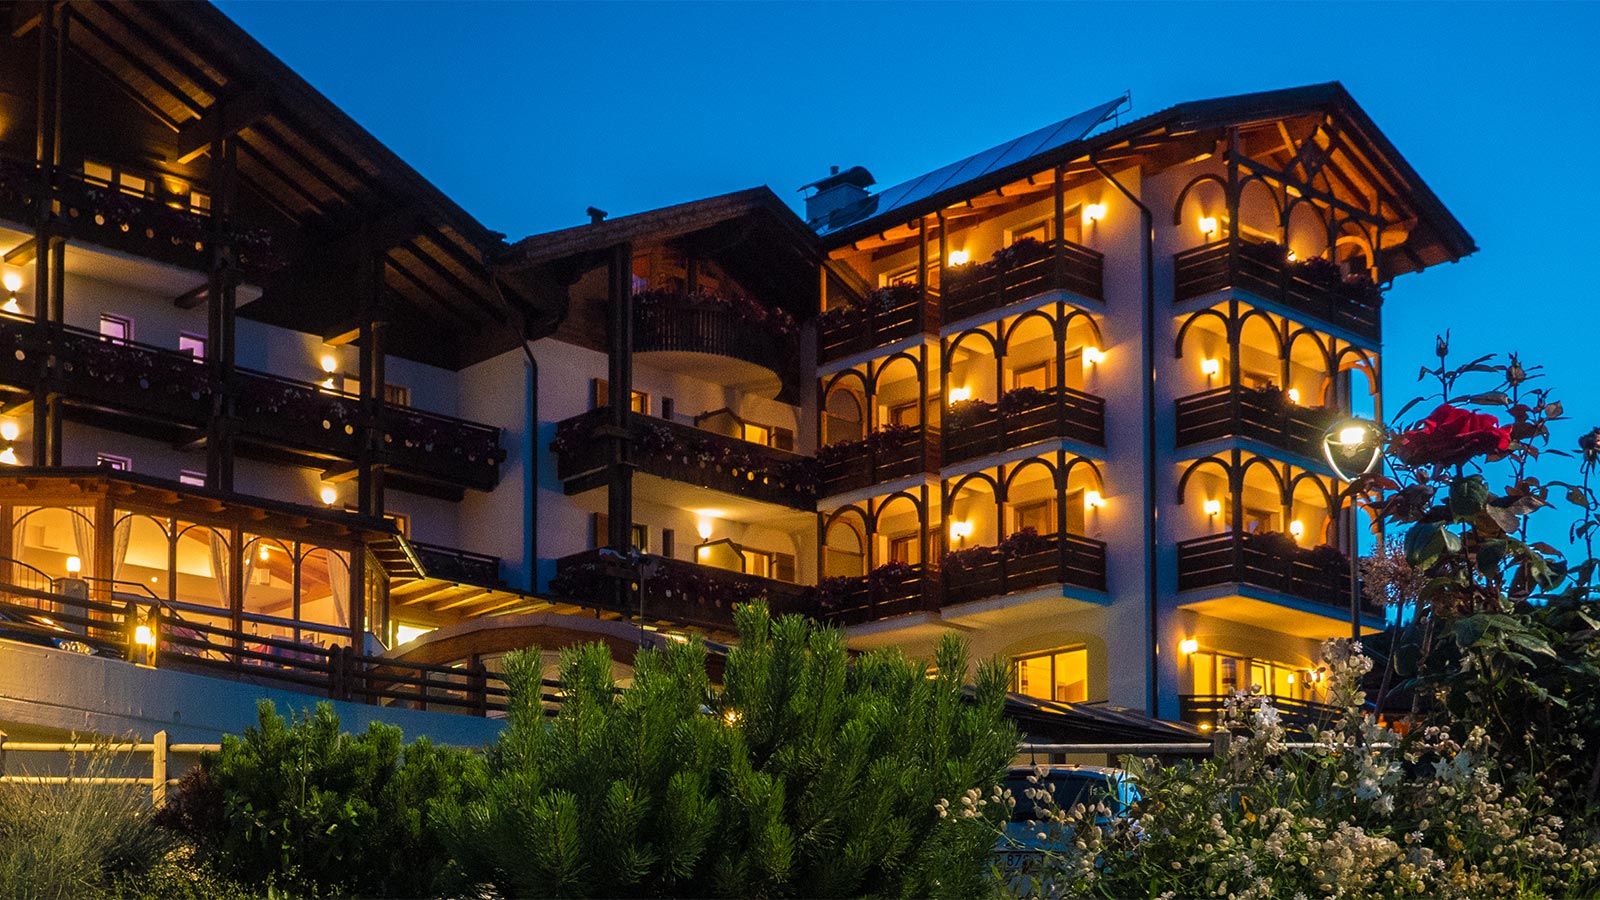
{"x":284,"y":420}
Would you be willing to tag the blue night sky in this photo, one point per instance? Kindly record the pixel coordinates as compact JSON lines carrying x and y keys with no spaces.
{"x":527,"y":113}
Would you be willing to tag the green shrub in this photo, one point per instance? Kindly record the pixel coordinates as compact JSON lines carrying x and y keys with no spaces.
{"x":808,"y":775}
{"x":302,"y":806}
{"x":75,"y":840}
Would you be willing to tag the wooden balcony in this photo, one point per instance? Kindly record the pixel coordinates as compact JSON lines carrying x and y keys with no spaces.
{"x":885,"y":455}
{"x":142,"y":226}
{"x":975,"y":428}
{"x":1057,"y":265}
{"x":1298,"y":716}
{"x":166,"y":394}
{"x":1263,"y":416}
{"x":673,"y":590}
{"x":685,"y":454}
{"x":687,"y":326}
{"x":1267,"y":562}
{"x":888,"y":591}
{"x":451,"y":564}
{"x":989,"y":572}
{"x":1262,"y":270}
{"x":887,"y":316}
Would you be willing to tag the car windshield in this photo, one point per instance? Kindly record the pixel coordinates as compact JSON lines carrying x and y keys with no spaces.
{"x":1070,"y":788}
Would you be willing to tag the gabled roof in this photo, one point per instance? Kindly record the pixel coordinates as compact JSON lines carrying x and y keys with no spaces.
{"x":655,"y":225}
{"x":1438,"y":237}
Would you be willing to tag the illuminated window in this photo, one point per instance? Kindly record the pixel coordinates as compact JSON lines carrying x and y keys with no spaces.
{"x":192,"y":478}
{"x":1215,"y":674}
{"x":115,"y":328}
{"x":192,"y":344}
{"x":1040,"y":376}
{"x":114,"y":462}
{"x":1060,"y":675}
{"x":903,"y":276}
{"x":602,"y":531}
{"x":602,"y":397}
{"x":905,"y":548}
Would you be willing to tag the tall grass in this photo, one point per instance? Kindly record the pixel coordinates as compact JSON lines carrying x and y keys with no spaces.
{"x":78,"y":839}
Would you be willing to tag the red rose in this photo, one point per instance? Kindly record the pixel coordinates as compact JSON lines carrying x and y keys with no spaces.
{"x":1450,"y":436}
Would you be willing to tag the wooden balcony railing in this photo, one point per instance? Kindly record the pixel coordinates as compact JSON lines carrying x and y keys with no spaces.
{"x":193,"y":644}
{"x":888,"y":591}
{"x":672,"y":590}
{"x":686,"y":454}
{"x":1264,"y":416}
{"x":144,"y":226}
{"x":1262,"y":270}
{"x":1270,"y":562}
{"x":443,"y":448}
{"x":1022,"y":417}
{"x":883,"y":319}
{"x":1059,"y":559}
{"x":894,"y":452}
{"x":1298,"y":716}
{"x":143,"y":387}
{"x":451,"y":564}
{"x":717,"y":328}
{"x":1057,"y":265}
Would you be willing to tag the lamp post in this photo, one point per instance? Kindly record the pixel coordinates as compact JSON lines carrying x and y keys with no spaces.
{"x":1352,"y":447}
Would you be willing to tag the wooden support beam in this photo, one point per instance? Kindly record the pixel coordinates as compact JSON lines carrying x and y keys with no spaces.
{"x":25,"y":16}
{"x":471,"y":596}
{"x":23,"y":253}
{"x":193,"y":298}
{"x":340,"y":474}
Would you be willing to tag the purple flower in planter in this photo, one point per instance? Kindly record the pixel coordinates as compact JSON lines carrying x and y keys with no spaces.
{"x":1026,"y":542}
{"x":968,"y":559}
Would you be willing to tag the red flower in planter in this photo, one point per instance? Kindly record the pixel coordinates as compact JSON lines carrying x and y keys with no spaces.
{"x":1450,"y":436}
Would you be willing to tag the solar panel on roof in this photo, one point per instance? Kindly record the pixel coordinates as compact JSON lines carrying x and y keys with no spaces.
{"x":1015,"y":151}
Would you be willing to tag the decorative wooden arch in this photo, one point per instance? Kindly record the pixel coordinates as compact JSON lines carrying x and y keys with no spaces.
{"x":1197,"y":315}
{"x":1195,"y":466}
{"x":1195,"y":182}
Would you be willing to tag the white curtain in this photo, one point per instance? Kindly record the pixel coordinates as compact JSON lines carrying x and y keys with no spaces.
{"x":339,"y":585}
{"x":119,"y":544}
{"x":83,"y":535}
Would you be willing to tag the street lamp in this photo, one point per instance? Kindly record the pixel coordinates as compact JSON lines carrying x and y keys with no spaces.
{"x":1353,"y":447}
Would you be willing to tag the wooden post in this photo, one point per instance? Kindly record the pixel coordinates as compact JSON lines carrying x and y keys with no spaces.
{"x":619,"y":500}
{"x":158,"y":770}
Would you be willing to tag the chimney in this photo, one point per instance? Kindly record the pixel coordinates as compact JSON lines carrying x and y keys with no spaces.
{"x":837,"y":191}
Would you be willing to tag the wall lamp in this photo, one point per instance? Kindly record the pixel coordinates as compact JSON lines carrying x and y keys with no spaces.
{"x":1211,"y":367}
{"x":329,"y":495}
{"x":1213,"y":508}
{"x":959,"y":257}
{"x":1208,"y":225}
{"x":1093,"y":212}
{"x":959,"y":394}
{"x":1094,"y":355}
{"x":960,"y":531}
{"x":1188,"y":645}
{"x":9,"y":431}
{"x":1297,"y":529}
{"x":13,"y":282}
{"x":1093,"y":500}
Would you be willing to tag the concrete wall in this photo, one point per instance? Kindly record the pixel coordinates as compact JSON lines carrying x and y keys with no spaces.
{"x":52,"y":691}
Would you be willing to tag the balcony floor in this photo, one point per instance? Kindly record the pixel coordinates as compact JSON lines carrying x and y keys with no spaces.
{"x":715,"y":368}
{"x":718,"y":505}
{"x":1249,"y":605}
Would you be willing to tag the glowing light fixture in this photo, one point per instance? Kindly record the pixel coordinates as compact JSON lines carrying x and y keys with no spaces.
{"x":1094,"y":355}
{"x":1213,"y":507}
{"x":1297,"y":529}
{"x":1210,"y":367}
{"x":1093,"y":500}
{"x":1188,"y":645}
{"x":959,"y":394}
{"x":405,"y":634}
{"x":74,"y":565}
{"x":330,"y":364}
{"x":9,"y":457}
{"x":1208,"y":225}
{"x":959,"y":257}
{"x":329,"y":495}
{"x":265,"y":556}
{"x":1353,"y":448}
{"x":144,"y":637}
{"x":703,"y":528}
{"x":703,"y":552}
{"x":732,"y":717}
{"x":960,"y":530}
{"x":1290,"y":678}
{"x":12,"y":279}
{"x":1292,"y":257}
{"x":1094,"y":212}
{"x":1294,"y":396}
{"x":9,"y":429}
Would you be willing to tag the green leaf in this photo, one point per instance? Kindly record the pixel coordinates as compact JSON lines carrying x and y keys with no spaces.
{"x":1424,"y":544}
{"x":1468,"y":496}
